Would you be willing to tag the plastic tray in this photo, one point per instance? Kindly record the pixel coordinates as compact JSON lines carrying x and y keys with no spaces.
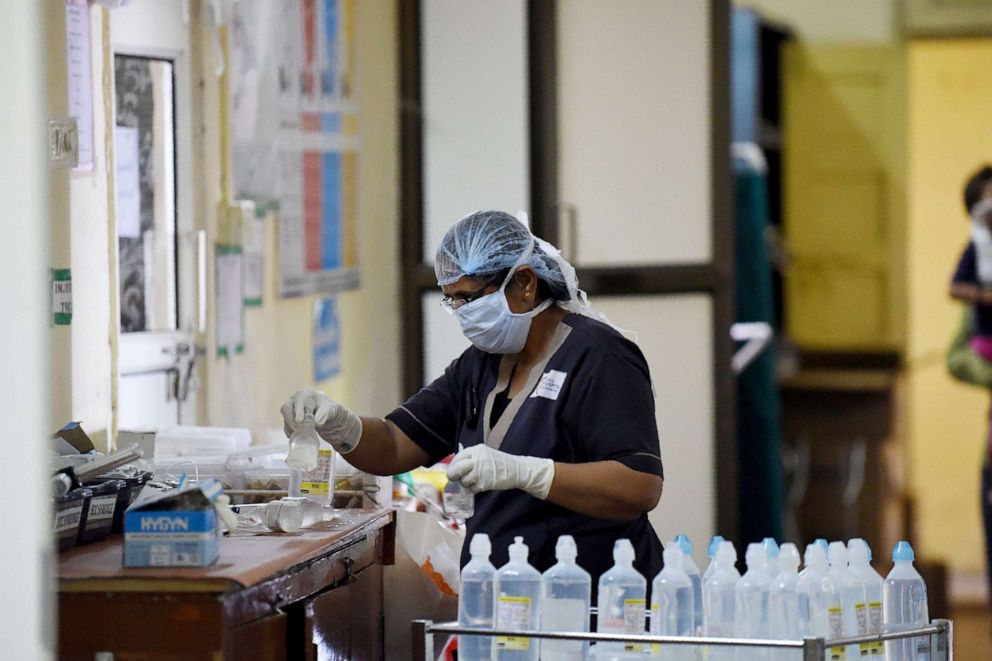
{"x":70,"y":516}
{"x":105,"y":504}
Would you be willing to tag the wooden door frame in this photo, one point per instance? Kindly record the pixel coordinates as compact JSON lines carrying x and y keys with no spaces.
{"x":714,"y":279}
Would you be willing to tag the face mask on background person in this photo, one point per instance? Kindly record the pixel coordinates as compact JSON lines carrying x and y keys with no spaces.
{"x":491,"y":326}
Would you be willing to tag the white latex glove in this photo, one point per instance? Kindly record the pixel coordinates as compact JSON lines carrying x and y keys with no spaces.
{"x":480,"y":468}
{"x":334,"y":423}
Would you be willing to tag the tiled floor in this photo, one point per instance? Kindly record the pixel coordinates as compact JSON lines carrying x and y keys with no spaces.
{"x":972,"y":633}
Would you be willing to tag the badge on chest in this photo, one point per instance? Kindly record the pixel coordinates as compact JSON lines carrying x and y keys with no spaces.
{"x":550,"y":384}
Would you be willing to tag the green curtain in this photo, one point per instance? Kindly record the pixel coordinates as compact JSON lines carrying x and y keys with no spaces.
{"x":760,"y":481}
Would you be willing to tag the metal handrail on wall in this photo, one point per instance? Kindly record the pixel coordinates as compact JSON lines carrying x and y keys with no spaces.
{"x":813,"y":649}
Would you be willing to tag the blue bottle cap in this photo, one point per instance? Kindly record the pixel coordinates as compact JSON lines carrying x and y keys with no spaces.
{"x":684,"y":544}
{"x":714,"y":545}
{"x":822,"y":543}
{"x":770,"y":546}
{"x":903,"y":552}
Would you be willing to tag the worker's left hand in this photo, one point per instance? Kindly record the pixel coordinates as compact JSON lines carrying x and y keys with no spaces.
{"x":480,"y":468}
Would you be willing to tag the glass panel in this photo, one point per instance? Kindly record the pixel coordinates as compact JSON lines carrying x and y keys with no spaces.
{"x":144,"y":178}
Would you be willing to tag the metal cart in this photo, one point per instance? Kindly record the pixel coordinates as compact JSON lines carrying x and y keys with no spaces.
{"x":940,"y":633}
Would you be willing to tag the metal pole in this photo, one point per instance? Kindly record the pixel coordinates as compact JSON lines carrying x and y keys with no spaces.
{"x":814,"y":649}
{"x":423,"y":640}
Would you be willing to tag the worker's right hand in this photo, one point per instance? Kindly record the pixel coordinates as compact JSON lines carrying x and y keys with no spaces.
{"x":334,"y":423}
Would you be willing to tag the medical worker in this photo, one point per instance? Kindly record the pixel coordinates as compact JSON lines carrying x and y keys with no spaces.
{"x":553,"y":406}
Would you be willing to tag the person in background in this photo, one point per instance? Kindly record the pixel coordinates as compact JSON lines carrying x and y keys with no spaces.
{"x":972,"y":284}
{"x":553,"y":406}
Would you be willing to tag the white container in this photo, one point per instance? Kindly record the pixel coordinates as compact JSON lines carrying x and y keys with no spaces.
{"x":847,"y":586}
{"x":475,"y":602}
{"x":904,"y":606}
{"x":185,"y":441}
{"x":518,"y":605}
{"x":692,"y":571}
{"x":711,"y":550}
{"x":783,"y":600}
{"x":565,"y":599}
{"x":751,"y":605}
{"x":720,"y":601}
{"x":622,"y":600}
{"x":819,"y":601}
{"x":304,"y":446}
{"x":868,"y":609}
{"x":673,"y":606}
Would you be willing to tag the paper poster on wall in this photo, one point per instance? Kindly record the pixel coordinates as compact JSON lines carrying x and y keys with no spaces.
{"x":230,"y":300}
{"x":253,"y":258}
{"x":127,"y":182}
{"x":326,"y":339}
{"x":77,"y":37}
{"x":294,"y":134}
{"x":61,"y":297}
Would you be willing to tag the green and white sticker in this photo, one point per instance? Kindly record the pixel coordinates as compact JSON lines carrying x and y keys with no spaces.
{"x":61,"y":297}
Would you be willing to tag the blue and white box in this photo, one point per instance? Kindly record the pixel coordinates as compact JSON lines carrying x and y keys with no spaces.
{"x":173,"y":529}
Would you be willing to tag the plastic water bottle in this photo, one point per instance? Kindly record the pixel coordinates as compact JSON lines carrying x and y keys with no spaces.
{"x":475,"y":603}
{"x":459,"y":502}
{"x":622,"y":596}
{"x":673,"y":608}
{"x":771,"y":557}
{"x":518,"y":605}
{"x":752,"y":600}
{"x":816,"y":594}
{"x":692,"y":571}
{"x":783,"y":600}
{"x":304,"y":445}
{"x":904,"y":606}
{"x":823,"y":544}
{"x":847,"y":587}
{"x":711,"y":554}
{"x":720,"y":599}
{"x":868,"y":608}
{"x":566,"y":597}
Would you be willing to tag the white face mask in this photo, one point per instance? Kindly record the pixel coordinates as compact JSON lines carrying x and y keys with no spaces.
{"x":489,"y":323}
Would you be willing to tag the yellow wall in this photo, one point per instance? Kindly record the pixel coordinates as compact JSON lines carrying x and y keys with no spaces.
{"x":248,"y":389}
{"x":949,"y":134}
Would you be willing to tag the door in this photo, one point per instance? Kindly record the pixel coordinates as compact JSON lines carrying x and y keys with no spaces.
{"x":844,"y":189}
{"x":160,"y":253}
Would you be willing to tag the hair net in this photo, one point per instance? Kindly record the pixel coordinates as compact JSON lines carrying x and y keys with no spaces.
{"x":486,"y":242}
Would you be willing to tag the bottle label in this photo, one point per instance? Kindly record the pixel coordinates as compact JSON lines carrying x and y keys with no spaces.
{"x":513,"y":613}
{"x":317,"y":481}
{"x":633,"y":621}
{"x":836,"y":620}
{"x":861,"y":615}
{"x":875,"y":627}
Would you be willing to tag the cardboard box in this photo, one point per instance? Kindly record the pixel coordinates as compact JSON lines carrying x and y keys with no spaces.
{"x":171,"y":529}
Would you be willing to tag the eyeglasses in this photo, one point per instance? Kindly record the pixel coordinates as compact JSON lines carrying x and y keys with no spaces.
{"x":455,"y":301}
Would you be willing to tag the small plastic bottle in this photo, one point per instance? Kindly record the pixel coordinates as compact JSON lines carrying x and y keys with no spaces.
{"x":771,"y":557}
{"x":711,"y":550}
{"x":721,"y":601}
{"x":518,"y":605}
{"x":868,"y":608}
{"x":904,"y":606}
{"x":459,"y":502}
{"x":847,"y":586}
{"x":566,"y":597}
{"x":821,"y":607}
{"x":304,"y":445}
{"x":673,"y":606}
{"x":751,"y":609}
{"x":475,"y":603}
{"x":783,"y":600}
{"x":621,"y":599}
{"x":692,"y":571}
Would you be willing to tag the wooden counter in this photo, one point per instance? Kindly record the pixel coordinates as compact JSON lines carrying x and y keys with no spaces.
{"x":314,"y":594}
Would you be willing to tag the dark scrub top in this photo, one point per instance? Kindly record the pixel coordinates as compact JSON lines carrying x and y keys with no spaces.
{"x":967,"y":272}
{"x":589,"y":400}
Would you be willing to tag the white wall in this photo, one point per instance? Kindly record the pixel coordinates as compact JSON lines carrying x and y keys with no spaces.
{"x":838,"y":21}
{"x":633,"y":108}
{"x":26,"y":621}
{"x":474,"y":68}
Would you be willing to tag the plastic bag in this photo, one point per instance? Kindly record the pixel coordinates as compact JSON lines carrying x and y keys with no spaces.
{"x":962,"y":362}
